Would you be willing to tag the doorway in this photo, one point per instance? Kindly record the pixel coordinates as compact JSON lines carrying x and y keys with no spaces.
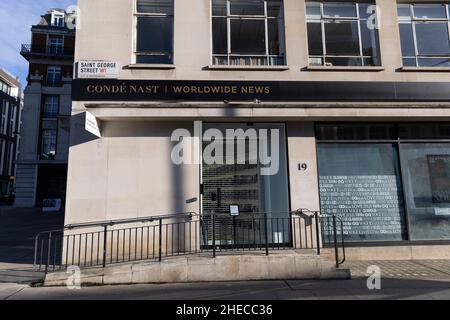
{"x":244,"y":185}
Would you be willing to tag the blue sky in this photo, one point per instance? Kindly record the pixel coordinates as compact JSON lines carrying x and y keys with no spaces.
{"x":16,"y":18}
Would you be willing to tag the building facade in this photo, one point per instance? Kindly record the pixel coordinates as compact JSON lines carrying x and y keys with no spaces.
{"x":351,"y":100}
{"x":42,"y":165}
{"x":11,"y":108}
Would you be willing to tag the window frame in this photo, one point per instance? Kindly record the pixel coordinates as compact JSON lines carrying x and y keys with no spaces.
{"x":413,"y":21}
{"x":269,"y":58}
{"x":136,"y":16}
{"x":52,"y":70}
{"x":323,"y":19}
{"x":51,"y":115}
{"x":58,"y":19}
{"x":4,"y":117}
{"x":55,"y":44}
{"x":53,"y":142}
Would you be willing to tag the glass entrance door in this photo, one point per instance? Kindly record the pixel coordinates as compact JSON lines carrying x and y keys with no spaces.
{"x":245,"y":185}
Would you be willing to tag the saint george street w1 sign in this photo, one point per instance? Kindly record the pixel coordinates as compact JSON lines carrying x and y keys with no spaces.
{"x":97,"y":69}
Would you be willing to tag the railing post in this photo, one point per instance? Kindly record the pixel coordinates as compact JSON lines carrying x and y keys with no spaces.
{"x":213,"y":234}
{"x":36,"y":244}
{"x":266,"y":236}
{"x":336,"y":250}
{"x":316,"y":217}
{"x":105,"y":243}
{"x":160,"y":241}
{"x":48,"y":251}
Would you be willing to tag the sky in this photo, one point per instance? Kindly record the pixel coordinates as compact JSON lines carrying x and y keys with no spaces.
{"x":16,"y":19}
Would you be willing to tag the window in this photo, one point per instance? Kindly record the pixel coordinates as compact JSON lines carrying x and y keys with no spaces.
{"x":2,"y":158}
{"x":12,"y":120}
{"x":5,"y":87}
{"x":56,"y":45}
{"x":360,"y":182}
{"x":395,"y":187}
{"x":424,"y":34}
{"x":53,"y":75}
{"x":11,"y":159}
{"x":248,"y":32}
{"x":58,"y":19}
{"x":51,"y":106}
{"x":426,"y":172}
{"x":4,"y":119}
{"x":48,"y":147}
{"x":154,"y":31}
{"x":342,"y":34}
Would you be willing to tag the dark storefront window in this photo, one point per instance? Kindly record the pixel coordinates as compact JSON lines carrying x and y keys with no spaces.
{"x":386,"y":181}
{"x":154,"y":31}
{"x":361,"y":184}
{"x":426,"y":170}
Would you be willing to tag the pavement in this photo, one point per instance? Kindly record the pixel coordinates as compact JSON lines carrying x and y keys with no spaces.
{"x":18,"y":228}
{"x":398,"y":289}
{"x":418,"y":279}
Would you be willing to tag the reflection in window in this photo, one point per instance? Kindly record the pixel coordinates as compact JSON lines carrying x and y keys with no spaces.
{"x":426,"y":171}
{"x":48,"y":146}
{"x":154,"y":31}
{"x":341,"y":34}
{"x":424,"y":33}
{"x":249,"y":32}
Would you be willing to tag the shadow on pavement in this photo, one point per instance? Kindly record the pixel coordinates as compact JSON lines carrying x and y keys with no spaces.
{"x":18,"y":228}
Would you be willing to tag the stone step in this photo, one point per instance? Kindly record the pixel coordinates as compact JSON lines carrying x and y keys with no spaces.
{"x":204,"y":268}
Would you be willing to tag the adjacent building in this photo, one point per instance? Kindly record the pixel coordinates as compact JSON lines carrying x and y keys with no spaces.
{"x":42,"y":164}
{"x":11,"y":107}
{"x":356,"y":95}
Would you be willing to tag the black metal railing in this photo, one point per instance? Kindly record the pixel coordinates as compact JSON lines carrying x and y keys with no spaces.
{"x":49,"y":50}
{"x":159,"y":237}
{"x":332,"y":230}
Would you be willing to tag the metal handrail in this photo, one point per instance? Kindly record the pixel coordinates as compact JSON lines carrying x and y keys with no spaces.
{"x":188,"y":215}
{"x":335,"y":221}
{"x":155,"y":240}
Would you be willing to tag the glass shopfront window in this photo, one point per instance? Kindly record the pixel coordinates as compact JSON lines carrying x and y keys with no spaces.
{"x":361,"y":183}
{"x":386,"y":181}
{"x":426,"y":171}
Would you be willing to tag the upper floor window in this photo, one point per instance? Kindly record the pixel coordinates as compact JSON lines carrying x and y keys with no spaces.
{"x":48,"y":143}
{"x":154,"y":31}
{"x":51,"y":106}
{"x":4,"y":117}
{"x":12,"y":120}
{"x":248,"y":32}
{"x":424,"y":34}
{"x":342,"y":34}
{"x":58,"y":19}
{"x":5,"y":87}
{"x":55,"y":44}
{"x":53,"y":75}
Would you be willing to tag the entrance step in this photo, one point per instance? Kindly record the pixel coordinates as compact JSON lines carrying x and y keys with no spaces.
{"x":287,"y":265}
